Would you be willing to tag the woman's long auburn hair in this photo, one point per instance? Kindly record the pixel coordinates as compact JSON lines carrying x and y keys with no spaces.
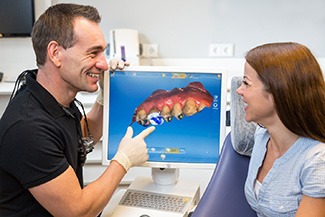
{"x":293,"y":76}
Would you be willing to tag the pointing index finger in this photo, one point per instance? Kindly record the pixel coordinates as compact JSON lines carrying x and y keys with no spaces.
{"x":146,"y":132}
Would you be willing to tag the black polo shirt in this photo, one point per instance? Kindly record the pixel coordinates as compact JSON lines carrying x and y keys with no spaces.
{"x":38,"y":141}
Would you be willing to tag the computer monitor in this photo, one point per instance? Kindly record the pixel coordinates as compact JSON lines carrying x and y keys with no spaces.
{"x":17,"y":18}
{"x":187,"y":106}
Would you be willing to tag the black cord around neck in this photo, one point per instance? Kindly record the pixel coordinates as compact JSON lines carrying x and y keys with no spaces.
{"x":20,"y":82}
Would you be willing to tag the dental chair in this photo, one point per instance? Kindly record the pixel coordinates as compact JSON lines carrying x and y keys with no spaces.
{"x":224,"y":195}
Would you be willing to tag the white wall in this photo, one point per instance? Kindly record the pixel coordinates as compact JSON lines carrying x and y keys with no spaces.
{"x":16,"y":54}
{"x":184,"y":28}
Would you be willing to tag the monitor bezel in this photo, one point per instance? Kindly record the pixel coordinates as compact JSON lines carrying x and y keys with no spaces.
{"x":174,"y":69}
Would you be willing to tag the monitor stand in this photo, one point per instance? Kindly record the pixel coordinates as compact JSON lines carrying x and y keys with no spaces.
{"x":163,"y":181}
{"x":165,"y":176}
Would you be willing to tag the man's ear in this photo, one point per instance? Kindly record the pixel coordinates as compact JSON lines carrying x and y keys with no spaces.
{"x":53,"y":53}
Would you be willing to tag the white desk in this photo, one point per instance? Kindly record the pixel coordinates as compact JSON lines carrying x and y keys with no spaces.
{"x":6,"y":89}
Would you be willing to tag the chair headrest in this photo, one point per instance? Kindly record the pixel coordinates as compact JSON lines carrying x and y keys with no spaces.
{"x":242,"y":132}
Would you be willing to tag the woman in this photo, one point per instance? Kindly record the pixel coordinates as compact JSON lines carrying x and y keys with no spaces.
{"x":284,"y":90}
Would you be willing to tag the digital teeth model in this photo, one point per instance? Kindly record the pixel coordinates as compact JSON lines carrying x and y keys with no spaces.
{"x":163,"y":105}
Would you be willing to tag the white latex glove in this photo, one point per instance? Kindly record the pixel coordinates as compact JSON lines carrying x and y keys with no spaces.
{"x":113,"y":65}
{"x":133,"y":151}
{"x":117,"y":64}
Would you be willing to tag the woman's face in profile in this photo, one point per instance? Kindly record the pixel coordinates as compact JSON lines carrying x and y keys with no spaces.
{"x":259,"y":103}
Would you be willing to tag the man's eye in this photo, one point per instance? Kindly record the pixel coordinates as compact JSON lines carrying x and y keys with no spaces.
{"x":94,"y":54}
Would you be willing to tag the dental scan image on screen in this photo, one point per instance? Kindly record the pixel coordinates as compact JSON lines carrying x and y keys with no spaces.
{"x":185,"y":106}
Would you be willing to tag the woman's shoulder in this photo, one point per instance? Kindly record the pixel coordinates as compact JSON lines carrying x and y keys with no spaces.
{"x":312,"y":173}
{"x":314,"y":147}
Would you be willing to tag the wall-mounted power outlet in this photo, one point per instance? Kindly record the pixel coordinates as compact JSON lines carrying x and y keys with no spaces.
{"x":149,"y":50}
{"x":221,"y":50}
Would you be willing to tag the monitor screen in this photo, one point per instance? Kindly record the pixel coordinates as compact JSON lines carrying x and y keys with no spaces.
{"x":186,"y":105}
{"x":16,"y":18}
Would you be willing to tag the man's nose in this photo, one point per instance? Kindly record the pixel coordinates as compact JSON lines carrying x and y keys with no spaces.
{"x":102,"y":63}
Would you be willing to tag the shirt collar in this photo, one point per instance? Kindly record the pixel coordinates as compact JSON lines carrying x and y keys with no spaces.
{"x":44,"y":97}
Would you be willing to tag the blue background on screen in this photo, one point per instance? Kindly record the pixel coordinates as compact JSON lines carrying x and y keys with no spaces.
{"x":195,"y":138}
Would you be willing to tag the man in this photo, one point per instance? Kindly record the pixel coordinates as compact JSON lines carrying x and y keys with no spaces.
{"x":43,"y":135}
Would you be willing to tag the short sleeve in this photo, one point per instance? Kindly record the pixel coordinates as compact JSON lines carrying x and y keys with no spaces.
{"x":34,"y":155}
{"x":313,"y":173}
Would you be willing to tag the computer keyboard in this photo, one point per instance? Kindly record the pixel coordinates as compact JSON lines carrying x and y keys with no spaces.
{"x":163,"y":202}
